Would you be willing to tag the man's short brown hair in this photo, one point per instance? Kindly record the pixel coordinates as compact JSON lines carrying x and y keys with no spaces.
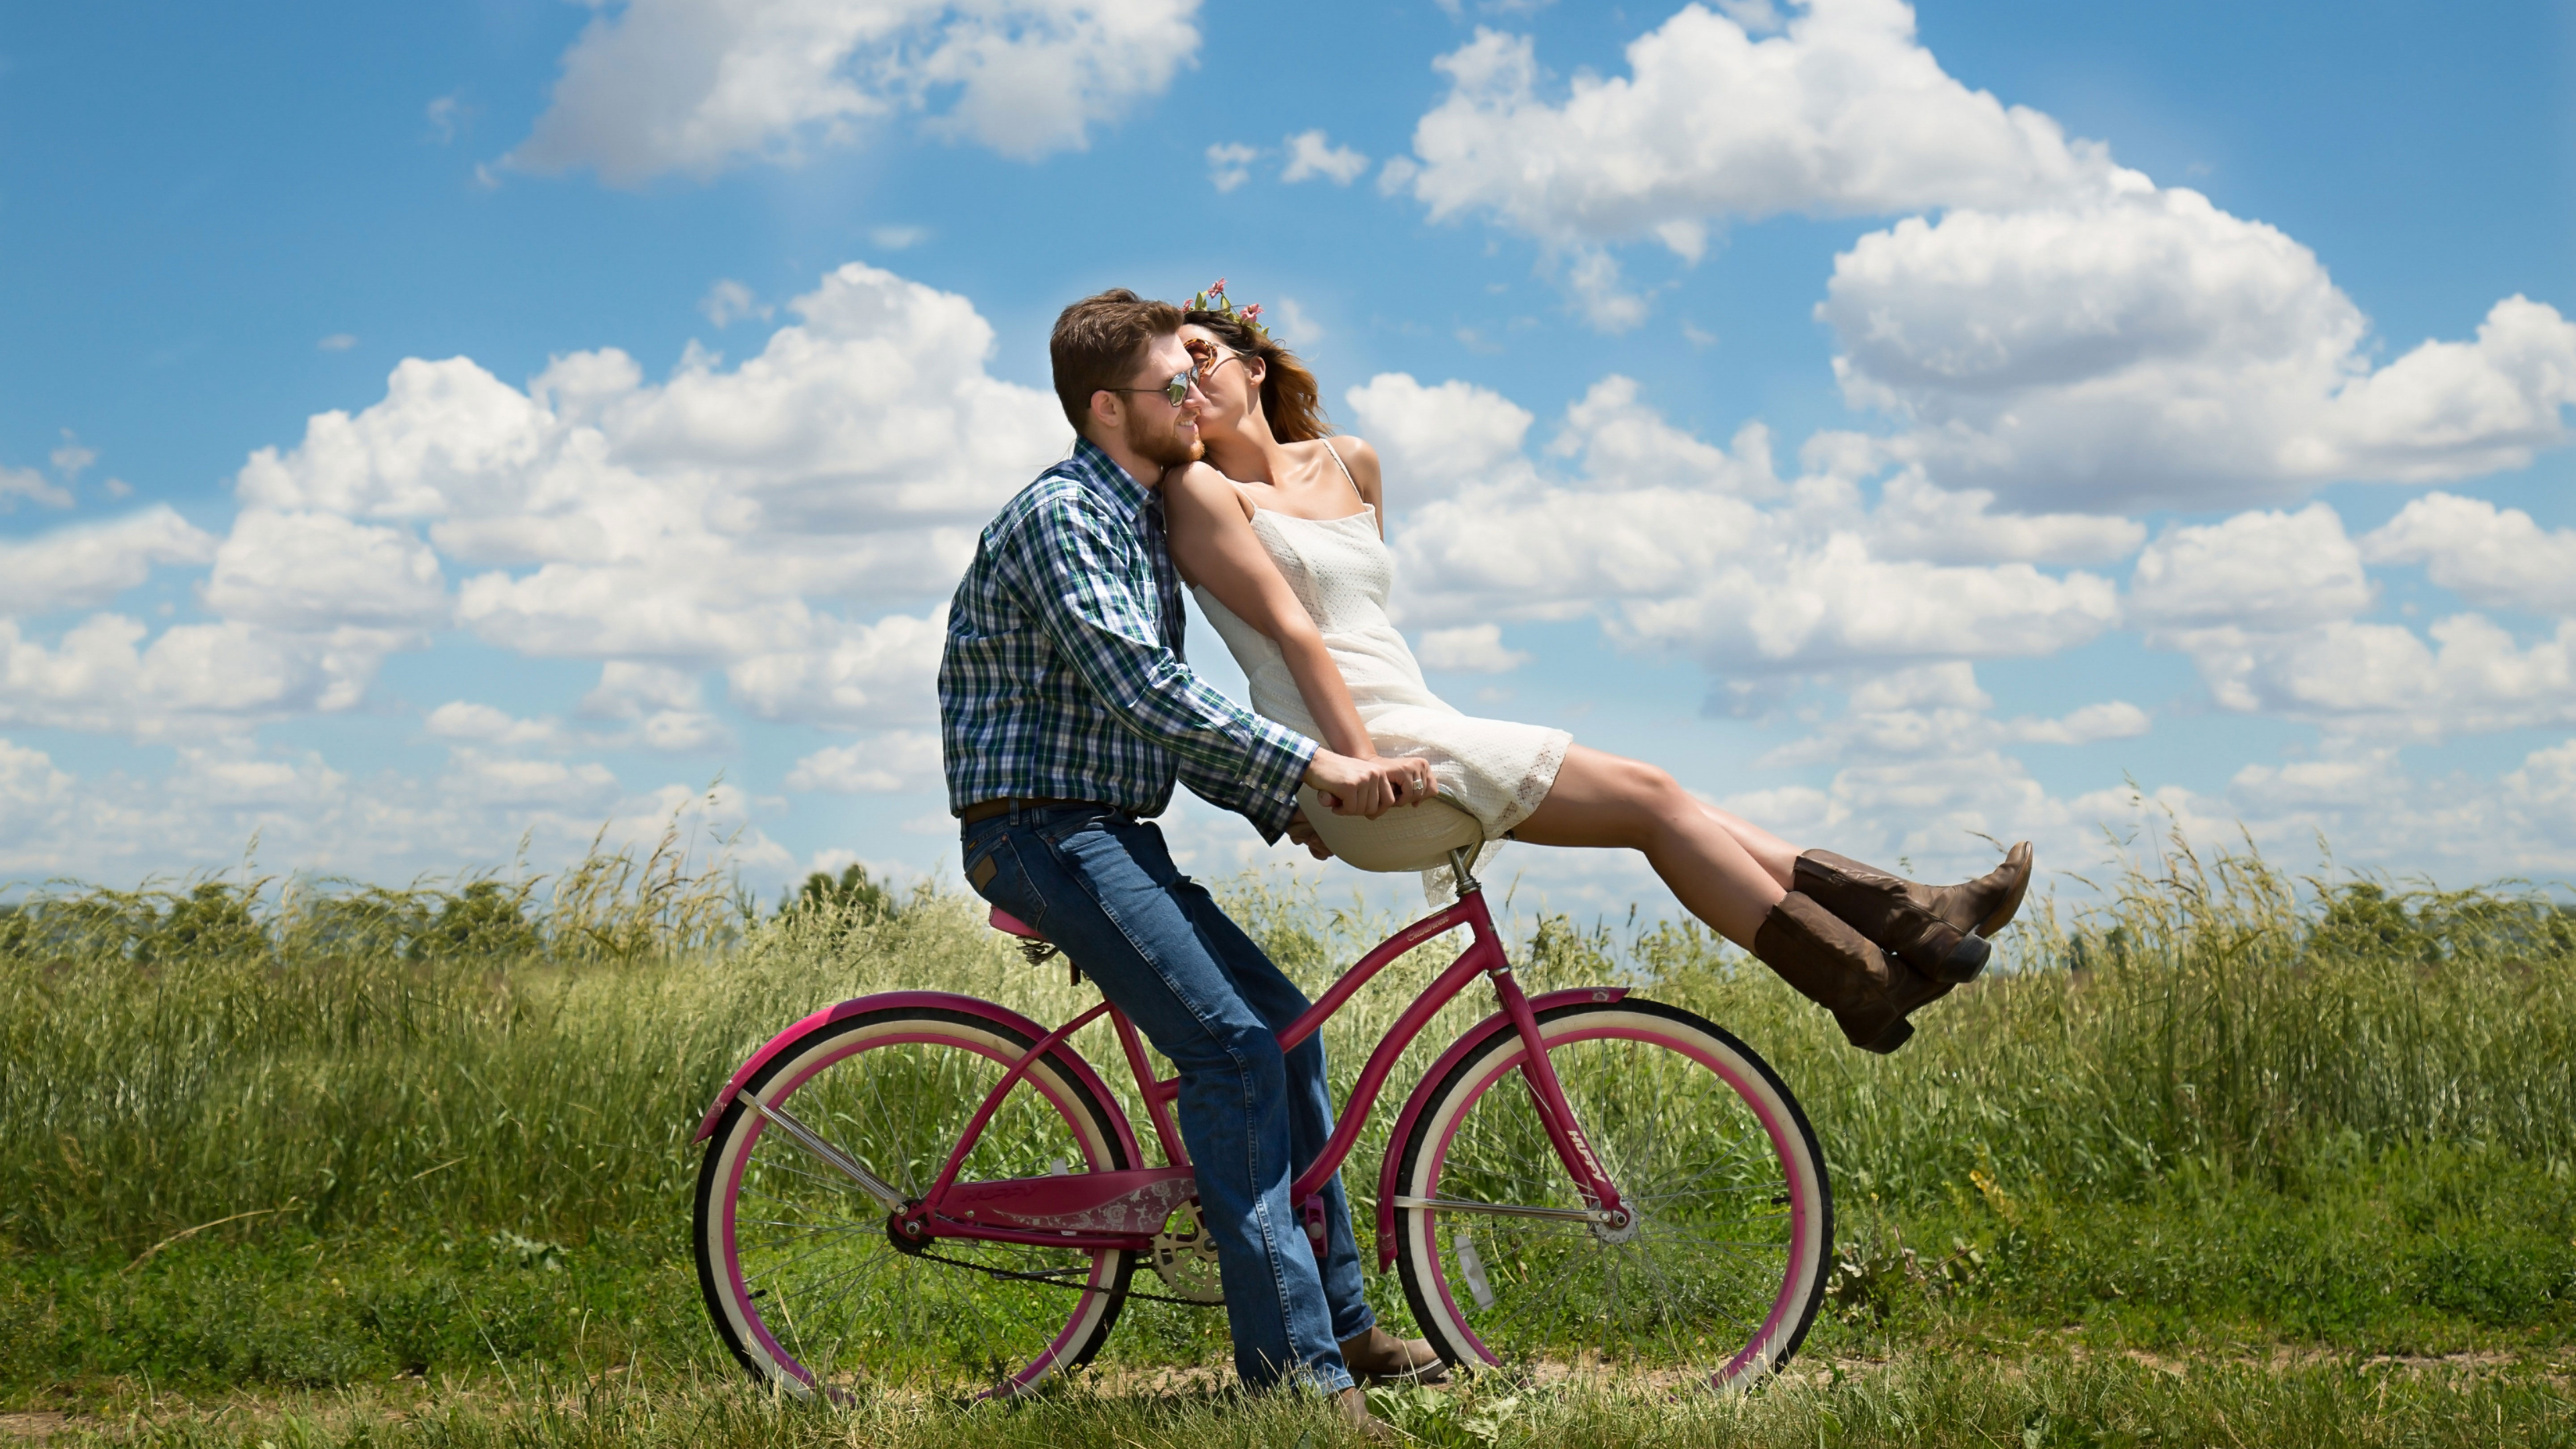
{"x":1100,"y":341}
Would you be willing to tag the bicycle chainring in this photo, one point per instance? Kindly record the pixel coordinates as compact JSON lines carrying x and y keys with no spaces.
{"x":1187,"y":1259}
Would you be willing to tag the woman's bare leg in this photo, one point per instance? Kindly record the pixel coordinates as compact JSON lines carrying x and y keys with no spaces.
{"x":1774,"y":855}
{"x":1602,"y":800}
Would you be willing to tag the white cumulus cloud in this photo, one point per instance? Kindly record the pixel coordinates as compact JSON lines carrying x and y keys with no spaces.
{"x":749,"y":518}
{"x":86,"y":565}
{"x":1471,"y":649}
{"x":851,"y":674}
{"x":1230,"y":164}
{"x":462,"y":719}
{"x":752,"y":519}
{"x":28,"y":775}
{"x":2494,"y":557}
{"x":2113,"y":719}
{"x":894,"y":761}
{"x":2264,"y":571}
{"x":1310,"y":155}
{"x":2049,"y":327}
{"x":2147,"y":349}
{"x":2268,"y":606}
{"x":1916,"y":519}
{"x":1843,"y":113}
{"x":101,"y":676}
{"x":1435,"y":438}
{"x":27,"y":483}
{"x":1626,"y":444}
{"x":1680,"y":544}
{"x":321,"y":571}
{"x":695,"y":86}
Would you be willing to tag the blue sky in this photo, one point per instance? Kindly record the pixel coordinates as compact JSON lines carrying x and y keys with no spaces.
{"x":425,"y":427}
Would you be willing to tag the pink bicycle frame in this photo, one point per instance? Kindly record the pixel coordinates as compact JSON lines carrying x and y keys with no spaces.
{"x":1123,"y":1209}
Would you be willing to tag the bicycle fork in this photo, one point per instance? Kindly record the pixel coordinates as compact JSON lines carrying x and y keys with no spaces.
{"x":1555,"y":1114}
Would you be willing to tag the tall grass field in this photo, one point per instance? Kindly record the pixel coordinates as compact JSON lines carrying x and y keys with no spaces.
{"x":2226,"y":1157}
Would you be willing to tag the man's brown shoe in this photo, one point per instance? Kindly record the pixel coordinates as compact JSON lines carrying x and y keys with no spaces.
{"x":1379,"y":1357}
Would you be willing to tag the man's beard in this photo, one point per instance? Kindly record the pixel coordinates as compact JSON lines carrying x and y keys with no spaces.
{"x":1161,"y":445}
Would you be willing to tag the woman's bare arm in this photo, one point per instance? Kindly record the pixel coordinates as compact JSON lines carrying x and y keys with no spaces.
{"x":1216,"y":549}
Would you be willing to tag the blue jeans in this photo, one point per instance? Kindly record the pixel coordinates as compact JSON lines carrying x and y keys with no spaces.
{"x":1102,"y":885}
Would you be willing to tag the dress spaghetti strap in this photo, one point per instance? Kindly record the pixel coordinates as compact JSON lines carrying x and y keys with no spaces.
{"x":1345,"y":467}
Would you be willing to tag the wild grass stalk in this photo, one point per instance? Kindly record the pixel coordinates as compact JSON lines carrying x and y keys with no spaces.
{"x":1919,"y":1402}
{"x":345,"y":1057}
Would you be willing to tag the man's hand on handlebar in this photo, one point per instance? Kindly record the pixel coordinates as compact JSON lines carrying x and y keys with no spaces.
{"x":1302,"y":832}
{"x":1369,"y":787}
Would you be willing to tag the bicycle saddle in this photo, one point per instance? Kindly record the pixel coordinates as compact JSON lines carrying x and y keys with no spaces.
{"x":1033,"y":945}
{"x":1011,"y":925}
{"x":1406,"y":838}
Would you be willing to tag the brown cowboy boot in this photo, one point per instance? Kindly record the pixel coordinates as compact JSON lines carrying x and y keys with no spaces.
{"x":1379,"y":1357}
{"x":1938,"y":930}
{"x":1834,"y":966}
{"x":1998,"y":893}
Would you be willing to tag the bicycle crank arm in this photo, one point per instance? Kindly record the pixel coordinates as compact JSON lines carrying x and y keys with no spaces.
{"x":841,"y":1162}
{"x":1513,"y":1210}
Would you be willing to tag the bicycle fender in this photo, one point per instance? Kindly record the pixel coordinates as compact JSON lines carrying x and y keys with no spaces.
{"x":1414,"y":1105}
{"x":945,"y":1001}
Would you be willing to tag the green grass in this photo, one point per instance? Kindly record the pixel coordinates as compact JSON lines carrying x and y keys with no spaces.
{"x":2043,"y":1397}
{"x":356,"y":1142}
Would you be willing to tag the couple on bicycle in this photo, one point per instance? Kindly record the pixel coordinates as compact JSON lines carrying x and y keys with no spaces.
{"x":1068,"y":712}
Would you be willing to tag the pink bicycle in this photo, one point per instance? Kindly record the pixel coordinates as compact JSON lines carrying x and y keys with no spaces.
{"x":926,"y":1189}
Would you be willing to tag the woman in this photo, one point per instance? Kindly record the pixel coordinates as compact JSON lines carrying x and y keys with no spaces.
{"x":1280,"y":533}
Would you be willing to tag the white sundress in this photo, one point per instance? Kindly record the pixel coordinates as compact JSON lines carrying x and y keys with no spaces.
{"x":1497,"y":770}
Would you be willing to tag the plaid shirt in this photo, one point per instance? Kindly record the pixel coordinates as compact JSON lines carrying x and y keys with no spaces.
{"x":1063,"y":676}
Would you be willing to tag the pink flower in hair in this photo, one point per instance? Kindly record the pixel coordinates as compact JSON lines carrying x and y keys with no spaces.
{"x":1252,"y":313}
{"x":1219,"y":289}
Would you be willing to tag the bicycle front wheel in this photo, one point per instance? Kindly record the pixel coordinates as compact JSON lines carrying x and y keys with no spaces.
{"x":804,"y":1281}
{"x":1718,"y":1273}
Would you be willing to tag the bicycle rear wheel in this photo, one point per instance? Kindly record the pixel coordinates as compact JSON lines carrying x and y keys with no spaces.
{"x":804,"y":1281}
{"x":1719,"y":1274}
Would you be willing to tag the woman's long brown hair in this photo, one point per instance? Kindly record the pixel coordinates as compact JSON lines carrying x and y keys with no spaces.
{"x":1290,"y":397}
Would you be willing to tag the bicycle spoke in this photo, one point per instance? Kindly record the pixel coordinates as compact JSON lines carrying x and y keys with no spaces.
{"x":1713,"y":1230}
{"x":804,"y":1228}
{"x":775,"y":1268}
{"x":1672,"y":1296}
{"x":836,"y":1295}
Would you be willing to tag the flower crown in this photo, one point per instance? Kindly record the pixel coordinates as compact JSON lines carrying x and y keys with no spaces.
{"x":1215,"y":300}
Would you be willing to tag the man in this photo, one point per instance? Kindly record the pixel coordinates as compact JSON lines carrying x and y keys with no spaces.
{"x":1066,"y":714}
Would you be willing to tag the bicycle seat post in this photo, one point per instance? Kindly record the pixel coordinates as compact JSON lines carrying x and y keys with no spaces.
{"x":1462,"y":865}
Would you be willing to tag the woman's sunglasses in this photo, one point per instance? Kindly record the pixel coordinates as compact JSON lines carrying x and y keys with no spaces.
{"x":1209,"y":356}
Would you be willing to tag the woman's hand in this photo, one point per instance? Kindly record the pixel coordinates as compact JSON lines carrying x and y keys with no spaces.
{"x":1369,"y":787}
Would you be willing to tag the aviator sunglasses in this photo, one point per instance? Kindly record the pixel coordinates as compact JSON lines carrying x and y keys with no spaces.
{"x":1209,"y":356}
{"x":1175,"y":392}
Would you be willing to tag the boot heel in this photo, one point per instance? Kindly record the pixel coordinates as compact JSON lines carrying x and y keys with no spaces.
{"x":1965,"y":960}
{"x":1895,"y":1036}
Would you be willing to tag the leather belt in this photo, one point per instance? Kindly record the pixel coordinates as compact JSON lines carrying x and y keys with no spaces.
{"x":987,"y":809}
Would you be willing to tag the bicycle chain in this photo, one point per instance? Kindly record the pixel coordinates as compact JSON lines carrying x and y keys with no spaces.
{"x":1055,"y":1282}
